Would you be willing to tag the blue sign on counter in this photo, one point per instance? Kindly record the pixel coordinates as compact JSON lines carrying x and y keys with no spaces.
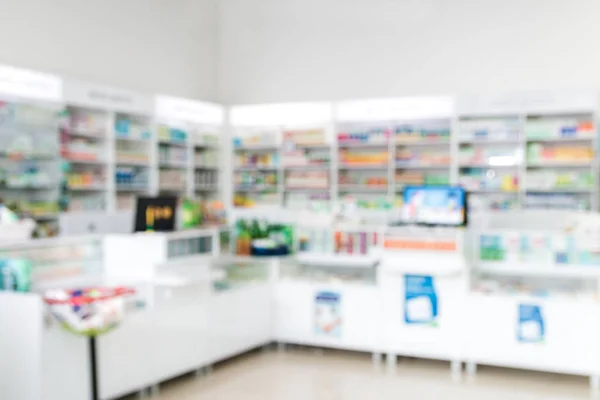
{"x":530,"y":326}
{"x":420,"y":300}
{"x":328,"y":314}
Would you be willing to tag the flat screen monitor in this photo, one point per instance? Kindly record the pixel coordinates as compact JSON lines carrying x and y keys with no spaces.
{"x":435,"y":205}
{"x":155,"y":214}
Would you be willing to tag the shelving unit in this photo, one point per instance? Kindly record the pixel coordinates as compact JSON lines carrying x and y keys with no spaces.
{"x":30,"y":167}
{"x":85,"y":142}
{"x":256,"y":168}
{"x":306,"y":162}
{"x":520,"y":151}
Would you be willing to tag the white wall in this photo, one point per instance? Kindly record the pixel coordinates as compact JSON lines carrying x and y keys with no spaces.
{"x":157,"y":46}
{"x":292,"y":50}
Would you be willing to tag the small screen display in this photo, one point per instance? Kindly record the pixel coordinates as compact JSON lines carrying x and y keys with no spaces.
{"x":435,"y":205}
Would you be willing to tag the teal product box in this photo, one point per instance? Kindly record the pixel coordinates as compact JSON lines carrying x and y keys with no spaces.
{"x":15,"y":275}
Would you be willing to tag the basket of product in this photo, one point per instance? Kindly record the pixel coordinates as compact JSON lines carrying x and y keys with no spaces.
{"x":88,"y":312}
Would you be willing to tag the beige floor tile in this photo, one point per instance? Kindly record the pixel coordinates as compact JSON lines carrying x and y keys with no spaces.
{"x":305,"y":375}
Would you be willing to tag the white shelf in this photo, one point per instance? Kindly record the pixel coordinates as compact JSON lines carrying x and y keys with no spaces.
{"x":255,"y":168}
{"x":172,"y":143}
{"x":261,"y":148}
{"x":173,"y":164}
{"x":133,"y":163}
{"x":86,"y":162}
{"x":364,"y":167}
{"x":256,"y":188}
{"x":560,"y":164}
{"x":560,"y":190}
{"x":423,"y":144}
{"x":307,"y":167}
{"x":206,"y":188}
{"x":337,"y":260}
{"x":132,"y":188}
{"x":206,"y":167}
{"x":363,"y":145}
{"x":96,"y":134}
{"x":363,"y":188}
{"x":308,"y":146}
{"x":87,"y":188}
{"x":493,"y":142}
{"x":560,"y":139}
{"x":527,"y":269}
{"x":306,"y":189}
{"x":424,"y":166}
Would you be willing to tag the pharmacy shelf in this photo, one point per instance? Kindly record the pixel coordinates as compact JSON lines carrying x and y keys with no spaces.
{"x":255,"y":168}
{"x":307,"y":167}
{"x":363,"y":188}
{"x":87,"y":188}
{"x":379,"y":167}
{"x":353,"y":145}
{"x":539,"y":270}
{"x":337,"y":260}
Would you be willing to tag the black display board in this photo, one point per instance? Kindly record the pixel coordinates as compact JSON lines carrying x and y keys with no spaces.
{"x":155,"y":214}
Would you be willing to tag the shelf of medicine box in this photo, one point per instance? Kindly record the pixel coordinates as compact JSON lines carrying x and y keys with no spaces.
{"x":134,"y":162}
{"x":257,"y":148}
{"x":307,"y":146}
{"x":136,"y":187}
{"x":256,"y":188}
{"x":259,"y":168}
{"x":92,"y":187}
{"x":363,"y":188}
{"x":363,"y":145}
{"x":173,"y":164}
{"x":561,"y":164}
{"x":206,"y":187}
{"x":364,"y":167}
{"x":556,"y":201}
{"x":495,"y":202}
{"x":20,"y":156}
{"x":560,"y":127}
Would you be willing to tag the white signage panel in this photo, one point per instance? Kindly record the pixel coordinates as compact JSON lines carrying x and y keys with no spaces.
{"x":178,"y":109}
{"x":282,"y":114}
{"x":540,"y":102}
{"x":27,"y":84}
{"x":106,"y":97}
{"x":406,"y":108}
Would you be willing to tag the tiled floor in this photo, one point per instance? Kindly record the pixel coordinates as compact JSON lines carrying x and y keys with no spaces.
{"x":307,"y":375}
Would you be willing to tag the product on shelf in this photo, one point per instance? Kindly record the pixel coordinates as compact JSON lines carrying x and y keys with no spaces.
{"x":490,"y":129}
{"x":307,"y":201}
{"x":557,"y":201}
{"x":172,"y":135}
{"x":474,"y":179}
{"x":559,"y":180}
{"x":422,"y":178}
{"x":206,"y":178}
{"x":263,"y":238}
{"x":310,"y":179}
{"x":131,"y":177}
{"x":493,"y":202}
{"x":357,"y":157}
{"x":207,"y":158}
{"x":249,"y":160}
{"x":306,"y":157}
{"x":363,"y":180}
{"x":409,"y":133}
{"x":355,"y":242}
{"x":553,"y":153}
{"x":492,"y":156}
{"x":264,"y":139}
{"x":254,"y":179}
{"x":411,"y":157}
{"x":369,"y":136}
{"x":304,"y":137}
{"x":172,"y":179}
{"x":560,"y":128}
{"x":172,"y":155}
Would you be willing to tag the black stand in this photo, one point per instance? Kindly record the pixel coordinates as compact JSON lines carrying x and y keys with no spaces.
{"x":93,"y":369}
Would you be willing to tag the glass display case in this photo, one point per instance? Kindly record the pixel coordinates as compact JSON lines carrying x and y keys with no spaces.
{"x":59,"y":261}
{"x":329,"y":271}
{"x":234,"y":272}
